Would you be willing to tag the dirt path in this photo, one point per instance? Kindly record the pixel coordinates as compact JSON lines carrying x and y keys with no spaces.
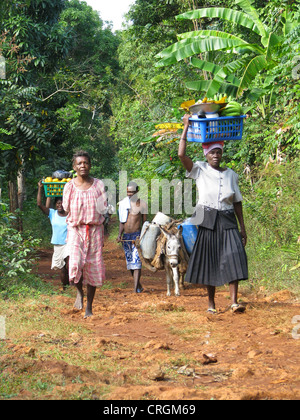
{"x":170,"y":348}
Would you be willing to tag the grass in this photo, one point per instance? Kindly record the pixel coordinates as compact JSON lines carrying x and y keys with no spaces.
{"x":272,"y":218}
{"x":269,"y":266}
{"x":108,"y":285}
{"x":36,"y":331}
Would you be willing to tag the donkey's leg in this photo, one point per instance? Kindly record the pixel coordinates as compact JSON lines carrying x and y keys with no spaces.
{"x":176,"y":280}
{"x":181,"y":280}
{"x":169,"y":279}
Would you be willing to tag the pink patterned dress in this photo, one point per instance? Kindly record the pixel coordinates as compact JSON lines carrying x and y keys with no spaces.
{"x":85,"y":232}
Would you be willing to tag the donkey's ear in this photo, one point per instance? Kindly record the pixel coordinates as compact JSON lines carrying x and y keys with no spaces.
{"x":179,"y":233}
{"x":165,"y":232}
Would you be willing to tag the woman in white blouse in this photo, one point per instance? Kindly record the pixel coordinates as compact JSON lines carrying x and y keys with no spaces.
{"x":218,"y":256}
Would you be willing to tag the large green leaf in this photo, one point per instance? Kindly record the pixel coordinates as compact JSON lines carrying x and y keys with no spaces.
{"x":167,"y":52}
{"x":246,"y":5}
{"x":254,"y":94}
{"x":257,"y":64}
{"x":255,"y":58}
{"x":235,"y":65}
{"x":216,"y":70}
{"x":210,"y":33}
{"x":199,"y":85}
{"x":205,"y":65}
{"x":204,"y":85}
{"x":219,"y":79}
{"x":229,"y":68}
{"x":189,"y":47}
{"x":290,"y":22}
{"x":233,"y":16}
{"x":215,"y":84}
{"x":273,"y":41}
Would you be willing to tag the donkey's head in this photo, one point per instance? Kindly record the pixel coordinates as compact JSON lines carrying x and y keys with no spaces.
{"x":173,"y":246}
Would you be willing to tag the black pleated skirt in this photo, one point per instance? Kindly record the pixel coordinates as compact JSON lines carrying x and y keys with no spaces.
{"x":218,"y":257}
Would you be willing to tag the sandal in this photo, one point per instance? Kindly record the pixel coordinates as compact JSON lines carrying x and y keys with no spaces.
{"x":237,"y":308}
{"x":212,"y":311}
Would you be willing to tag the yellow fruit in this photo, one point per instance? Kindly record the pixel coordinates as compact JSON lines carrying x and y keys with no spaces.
{"x":69,"y":179}
{"x":48,"y":179}
{"x":187,"y":104}
{"x":64,"y":180}
{"x":55,"y":180}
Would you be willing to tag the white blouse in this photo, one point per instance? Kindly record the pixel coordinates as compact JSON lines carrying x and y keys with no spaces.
{"x":216,"y":189}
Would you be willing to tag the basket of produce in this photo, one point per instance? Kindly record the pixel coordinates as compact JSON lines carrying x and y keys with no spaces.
{"x":54,"y":185}
{"x":222,"y":120}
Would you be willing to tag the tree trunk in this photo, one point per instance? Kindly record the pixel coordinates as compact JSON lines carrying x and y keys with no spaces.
{"x":13,"y":196}
{"x":14,"y":204}
{"x":21,"y":189}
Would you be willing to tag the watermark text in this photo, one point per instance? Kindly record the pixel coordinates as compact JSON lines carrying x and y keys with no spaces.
{"x":296,"y":69}
{"x":2,"y":328}
{"x":296,"y":329}
{"x":2,"y":68}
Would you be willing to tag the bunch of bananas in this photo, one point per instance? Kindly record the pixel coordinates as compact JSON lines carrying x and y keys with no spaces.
{"x":217,"y":99}
{"x":232,"y":109}
{"x":169,"y":126}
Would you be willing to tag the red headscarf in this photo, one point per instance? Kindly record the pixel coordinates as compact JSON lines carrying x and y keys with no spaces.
{"x":207,"y":147}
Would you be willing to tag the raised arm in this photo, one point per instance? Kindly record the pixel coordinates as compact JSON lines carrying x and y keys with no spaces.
{"x":45,"y":209}
{"x":185,"y":160}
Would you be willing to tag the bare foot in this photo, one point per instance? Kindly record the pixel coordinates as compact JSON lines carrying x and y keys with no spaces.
{"x":79,"y":301}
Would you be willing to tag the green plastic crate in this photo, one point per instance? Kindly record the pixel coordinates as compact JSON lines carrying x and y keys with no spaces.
{"x":53,"y":189}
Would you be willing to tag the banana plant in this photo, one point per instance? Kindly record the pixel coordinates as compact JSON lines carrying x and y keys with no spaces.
{"x":251,"y":58}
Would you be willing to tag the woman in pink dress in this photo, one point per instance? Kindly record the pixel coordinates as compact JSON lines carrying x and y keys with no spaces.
{"x":84,"y":199}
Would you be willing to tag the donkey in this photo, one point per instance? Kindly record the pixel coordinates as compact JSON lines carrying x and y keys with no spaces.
{"x":174,"y":260}
{"x":170,"y":256}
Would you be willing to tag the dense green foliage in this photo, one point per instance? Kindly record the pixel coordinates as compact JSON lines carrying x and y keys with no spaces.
{"x":17,"y":260}
{"x":59,"y":61}
{"x":105,"y":92}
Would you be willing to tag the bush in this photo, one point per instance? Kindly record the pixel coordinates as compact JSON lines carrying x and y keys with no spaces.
{"x":17,"y":254}
{"x":271,"y":207}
